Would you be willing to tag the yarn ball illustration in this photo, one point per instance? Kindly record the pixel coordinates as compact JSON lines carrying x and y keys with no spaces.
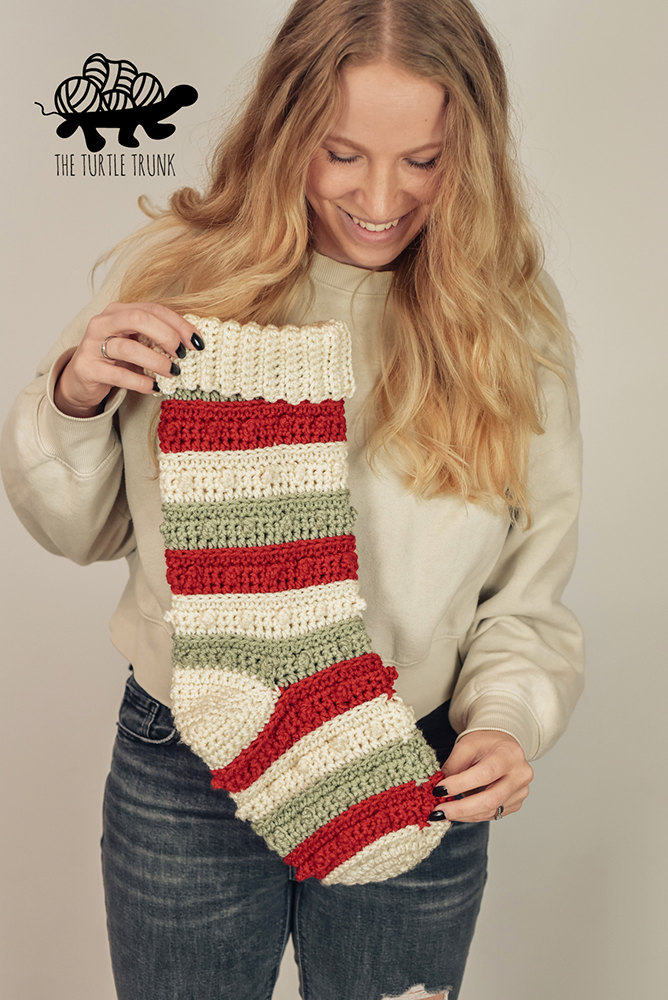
{"x":77,"y":94}
{"x":96,"y":68}
{"x":146,"y":89}
{"x":122,"y":75}
{"x":116,"y":100}
{"x":110,"y":74}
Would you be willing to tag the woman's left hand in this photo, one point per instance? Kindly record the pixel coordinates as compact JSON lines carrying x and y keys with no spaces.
{"x":493,"y":762}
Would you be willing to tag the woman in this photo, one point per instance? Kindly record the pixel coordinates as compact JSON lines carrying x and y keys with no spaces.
{"x":368,"y":180}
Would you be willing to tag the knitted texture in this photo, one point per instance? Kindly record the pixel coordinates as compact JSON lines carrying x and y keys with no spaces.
{"x":275,"y":684}
{"x":294,"y":364}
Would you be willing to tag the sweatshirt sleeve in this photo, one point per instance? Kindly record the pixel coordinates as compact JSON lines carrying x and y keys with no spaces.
{"x":64,"y":475}
{"x":522,"y":657}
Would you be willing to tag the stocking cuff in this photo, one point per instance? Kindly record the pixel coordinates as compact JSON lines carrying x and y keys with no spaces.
{"x":293,"y":363}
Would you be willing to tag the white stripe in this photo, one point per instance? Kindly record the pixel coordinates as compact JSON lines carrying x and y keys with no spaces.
{"x":293,"y":363}
{"x":220,"y":712}
{"x":268,"y":616}
{"x":191,"y":476}
{"x":335,"y":743}
{"x":391,"y":855}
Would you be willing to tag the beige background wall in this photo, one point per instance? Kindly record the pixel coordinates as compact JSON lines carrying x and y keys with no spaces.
{"x":576,"y":903}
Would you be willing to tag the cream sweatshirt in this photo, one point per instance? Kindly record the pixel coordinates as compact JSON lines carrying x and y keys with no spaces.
{"x":466,"y":605}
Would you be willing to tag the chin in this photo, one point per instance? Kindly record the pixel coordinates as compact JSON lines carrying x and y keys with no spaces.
{"x":373,"y":262}
{"x":371,"y":259}
{"x":378,"y":262}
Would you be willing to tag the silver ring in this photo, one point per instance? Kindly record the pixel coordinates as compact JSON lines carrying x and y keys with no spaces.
{"x":103,"y":348}
{"x":499,"y":813}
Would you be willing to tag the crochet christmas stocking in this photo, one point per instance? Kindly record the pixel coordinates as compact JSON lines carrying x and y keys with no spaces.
{"x":275,"y":685}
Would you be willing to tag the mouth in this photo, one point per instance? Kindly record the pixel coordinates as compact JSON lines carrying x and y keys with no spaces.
{"x":375,"y":227}
{"x":375,"y":232}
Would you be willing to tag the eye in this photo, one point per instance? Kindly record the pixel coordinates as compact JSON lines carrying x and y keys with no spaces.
{"x":333,"y":158}
{"x":424,"y":164}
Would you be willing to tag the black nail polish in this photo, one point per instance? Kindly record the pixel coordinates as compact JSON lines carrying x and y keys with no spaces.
{"x":197,"y":342}
{"x":174,"y":370}
{"x":440,"y":790}
{"x":156,"y":387}
{"x":436,"y":815}
{"x":180,"y":351}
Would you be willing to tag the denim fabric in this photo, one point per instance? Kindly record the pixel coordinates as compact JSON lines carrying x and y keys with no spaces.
{"x":199,"y":908}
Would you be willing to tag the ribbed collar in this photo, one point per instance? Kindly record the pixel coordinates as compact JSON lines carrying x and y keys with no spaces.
{"x":348,"y":278}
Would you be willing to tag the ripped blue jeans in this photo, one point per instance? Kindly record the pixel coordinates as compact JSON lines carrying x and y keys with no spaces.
{"x":199,"y":908}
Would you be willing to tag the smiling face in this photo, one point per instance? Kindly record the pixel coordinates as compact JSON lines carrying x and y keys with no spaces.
{"x":372,"y":182}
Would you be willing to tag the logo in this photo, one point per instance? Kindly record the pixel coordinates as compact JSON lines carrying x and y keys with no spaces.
{"x":114,"y":94}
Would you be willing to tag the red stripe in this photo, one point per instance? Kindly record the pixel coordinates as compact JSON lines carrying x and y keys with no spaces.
{"x":345,"y":835}
{"x":262,"y":569}
{"x":196,"y":425}
{"x":303,"y":707}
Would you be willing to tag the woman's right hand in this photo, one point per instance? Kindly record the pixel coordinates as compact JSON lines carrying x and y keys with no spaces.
{"x":88,"y":376}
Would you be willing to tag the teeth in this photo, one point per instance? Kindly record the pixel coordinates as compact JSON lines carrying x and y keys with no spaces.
{"x":372,"y":227}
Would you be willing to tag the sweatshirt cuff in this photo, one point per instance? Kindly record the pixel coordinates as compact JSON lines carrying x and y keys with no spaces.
{"x":82,"y":443}
{"x":504,"y":712}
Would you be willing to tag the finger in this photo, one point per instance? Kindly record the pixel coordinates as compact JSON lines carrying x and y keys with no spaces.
{"x":441,"y":792}
{"x":475,"y":767}
{"x":512,"y":806}
{"x":487,"y":817}
{"x":128,"y":377}
{"x":479,"y":776}
{"x":140,"y":321}
{"x":484,"y":804}
{"x":125,"y":350}
{"x":478,"y":800}
{"x":175,"y":334}
{"x":516,"y":777}
{"x":111,"y":375}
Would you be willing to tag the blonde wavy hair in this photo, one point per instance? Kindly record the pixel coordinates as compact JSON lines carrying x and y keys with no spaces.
{"x":457,"y":399}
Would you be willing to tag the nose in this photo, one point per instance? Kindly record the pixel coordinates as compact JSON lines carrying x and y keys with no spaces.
{"x":380,"y":194}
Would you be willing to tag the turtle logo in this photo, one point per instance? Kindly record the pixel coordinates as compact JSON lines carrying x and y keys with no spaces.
{"x":114,"y":94}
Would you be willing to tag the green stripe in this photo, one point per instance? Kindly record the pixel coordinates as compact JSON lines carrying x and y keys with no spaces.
{"x":263,"y":521}
{"x":394,"y":764}
{"x":274,"y":661}
{"x":209,"y":397}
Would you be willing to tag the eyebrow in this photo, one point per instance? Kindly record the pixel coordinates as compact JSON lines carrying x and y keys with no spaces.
{"x":356,"y":145}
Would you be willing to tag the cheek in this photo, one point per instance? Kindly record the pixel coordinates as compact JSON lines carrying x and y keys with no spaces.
{"x":317,"y":186}
{"x":426,"y":189}
{"x":325,"y":182}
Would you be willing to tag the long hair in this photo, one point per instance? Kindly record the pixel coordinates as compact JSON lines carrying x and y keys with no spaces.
{"x":457,"y":399}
